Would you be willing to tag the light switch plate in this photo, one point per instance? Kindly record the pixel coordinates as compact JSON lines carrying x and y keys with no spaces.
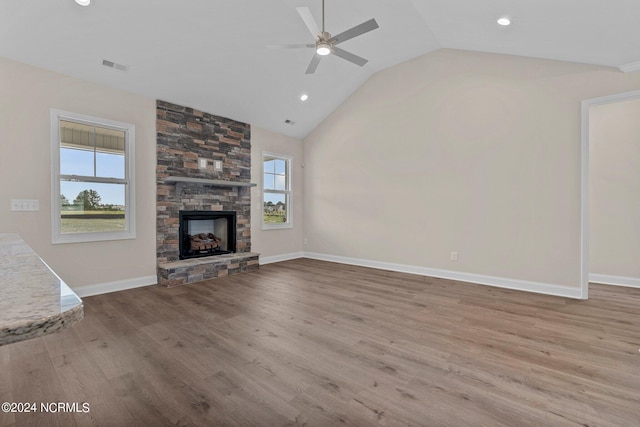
{"x":202,"y":163}
{"x":217,"y":165}
{"x":25,"y":205}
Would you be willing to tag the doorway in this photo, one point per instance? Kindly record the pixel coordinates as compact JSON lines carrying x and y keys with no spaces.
{"x":588,"y":107}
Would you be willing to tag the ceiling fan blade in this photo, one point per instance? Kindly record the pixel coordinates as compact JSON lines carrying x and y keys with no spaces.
{"x":313,"y":64}
{"x":307,"y":17}
{"x":365,"y":27}
{"x":290,"y":46}
{"x":358,"y":60}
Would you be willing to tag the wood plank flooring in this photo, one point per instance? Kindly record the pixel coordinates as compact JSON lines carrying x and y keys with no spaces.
{"x":313,"y":343}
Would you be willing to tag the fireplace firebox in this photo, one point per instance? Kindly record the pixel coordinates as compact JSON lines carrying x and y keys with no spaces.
{"x":206,"y":233}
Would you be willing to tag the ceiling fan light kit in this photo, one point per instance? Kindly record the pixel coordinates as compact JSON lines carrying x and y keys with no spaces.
{"x":325,"y":44}
{"x":323,"y":48}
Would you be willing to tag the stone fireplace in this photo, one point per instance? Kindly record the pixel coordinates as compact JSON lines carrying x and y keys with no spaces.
{"x":203,"y":175}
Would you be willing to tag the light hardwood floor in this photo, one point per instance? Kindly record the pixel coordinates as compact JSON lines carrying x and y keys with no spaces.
{"x":312,"y":343}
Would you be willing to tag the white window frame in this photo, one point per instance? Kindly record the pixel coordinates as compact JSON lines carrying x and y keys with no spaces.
{"x":288,"y":192}
{"x":129,"y":232}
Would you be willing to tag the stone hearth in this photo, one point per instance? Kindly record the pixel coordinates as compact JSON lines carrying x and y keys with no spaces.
{"x":184,"y":136}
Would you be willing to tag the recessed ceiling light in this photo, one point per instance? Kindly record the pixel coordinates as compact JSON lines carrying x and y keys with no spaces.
{"x":83,"y":2}
{"x":504,"y":21}
{"x":304,"y":97}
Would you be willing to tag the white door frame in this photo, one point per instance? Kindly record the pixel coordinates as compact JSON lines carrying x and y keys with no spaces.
{"x":584,"y":181}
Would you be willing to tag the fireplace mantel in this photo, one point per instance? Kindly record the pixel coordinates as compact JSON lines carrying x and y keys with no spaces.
{"x":205,"y":181}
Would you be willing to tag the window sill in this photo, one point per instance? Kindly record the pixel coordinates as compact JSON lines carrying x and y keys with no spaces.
{"x":91,"y":237}
{"x":276,"y":226}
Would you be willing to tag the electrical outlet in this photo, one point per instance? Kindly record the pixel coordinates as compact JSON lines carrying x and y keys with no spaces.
{"x":217,"y":165}
{"x":454,"y":256}
{"x":202,"y":163}
{"x":25,"y":205}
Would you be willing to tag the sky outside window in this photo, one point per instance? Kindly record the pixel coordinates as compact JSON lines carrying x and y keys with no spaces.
{"x":92,"y":151}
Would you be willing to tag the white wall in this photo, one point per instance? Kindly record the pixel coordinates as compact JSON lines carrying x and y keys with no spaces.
{"x":26,"y":96}
{"x":614,"y":189}
{"x":285,"y":243}
{"x":457,"y":151}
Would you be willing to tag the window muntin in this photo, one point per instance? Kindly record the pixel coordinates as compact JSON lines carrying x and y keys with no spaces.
{"x":92,"y":164}
{"x":276,"y":191}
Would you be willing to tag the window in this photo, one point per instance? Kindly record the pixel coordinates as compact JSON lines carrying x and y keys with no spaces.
{"x":92,"y":165}
{"x":276,"y":191}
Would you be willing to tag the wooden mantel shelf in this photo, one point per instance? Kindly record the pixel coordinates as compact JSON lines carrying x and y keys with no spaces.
{"x":205,"y":181}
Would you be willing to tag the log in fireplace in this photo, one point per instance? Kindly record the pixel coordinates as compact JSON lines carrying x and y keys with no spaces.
{"x":206,"y":233}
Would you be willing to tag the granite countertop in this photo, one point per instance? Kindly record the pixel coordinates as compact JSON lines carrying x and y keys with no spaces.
{"x":34,"y":301}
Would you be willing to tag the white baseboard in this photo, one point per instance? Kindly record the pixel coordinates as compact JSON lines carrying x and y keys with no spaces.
{"x":119,"y":285}
{"x":501,"y":282}
{"x":279,"y":258}
{"x":605,"y":279}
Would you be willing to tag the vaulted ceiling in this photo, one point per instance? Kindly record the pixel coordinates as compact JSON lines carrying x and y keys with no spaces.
{"x":212,"y":54}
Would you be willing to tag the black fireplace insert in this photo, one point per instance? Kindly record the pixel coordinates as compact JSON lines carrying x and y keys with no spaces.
{"x":207,"y":233}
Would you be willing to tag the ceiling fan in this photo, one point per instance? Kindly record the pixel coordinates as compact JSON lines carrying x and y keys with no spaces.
{"x":326,"y":44}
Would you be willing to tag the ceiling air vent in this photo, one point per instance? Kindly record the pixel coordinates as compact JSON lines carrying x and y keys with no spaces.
{"x":114,"y":65}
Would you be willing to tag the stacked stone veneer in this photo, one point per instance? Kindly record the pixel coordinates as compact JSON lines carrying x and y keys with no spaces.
{"x":183,"y":136}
